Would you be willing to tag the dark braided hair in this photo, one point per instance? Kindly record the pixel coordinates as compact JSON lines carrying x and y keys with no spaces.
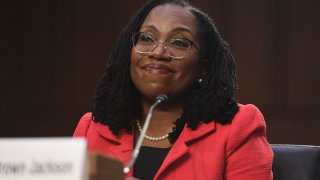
{"x":117,"y":103}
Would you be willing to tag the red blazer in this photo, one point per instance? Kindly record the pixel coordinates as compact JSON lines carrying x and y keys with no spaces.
{"x":237,"y":151}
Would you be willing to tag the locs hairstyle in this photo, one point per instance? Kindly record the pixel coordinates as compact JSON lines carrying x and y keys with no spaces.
{"x":117,"y":103}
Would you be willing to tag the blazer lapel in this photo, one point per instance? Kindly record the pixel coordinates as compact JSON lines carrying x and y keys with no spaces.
{"x":181,"y":146}
{"x":121,"y":146}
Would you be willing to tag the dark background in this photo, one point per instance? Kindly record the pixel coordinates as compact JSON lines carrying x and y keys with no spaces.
{"x":54,"y":51}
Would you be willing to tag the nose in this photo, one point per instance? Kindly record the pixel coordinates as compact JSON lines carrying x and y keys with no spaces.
{"x":159,"y":51}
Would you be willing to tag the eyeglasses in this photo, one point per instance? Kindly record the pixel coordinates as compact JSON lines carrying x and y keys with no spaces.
{"x":145,"y":43}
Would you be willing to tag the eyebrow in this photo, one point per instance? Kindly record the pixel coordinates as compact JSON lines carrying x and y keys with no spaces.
{"x":177,"y":29}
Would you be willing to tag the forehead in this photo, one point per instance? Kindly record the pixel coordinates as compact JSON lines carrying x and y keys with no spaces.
{"x":168,"y":17}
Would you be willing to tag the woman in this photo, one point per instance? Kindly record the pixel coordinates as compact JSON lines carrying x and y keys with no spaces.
{"x":201,"y":132}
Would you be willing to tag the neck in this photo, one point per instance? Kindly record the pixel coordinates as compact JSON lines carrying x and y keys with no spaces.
{"x":163,"y":114}
{"x":163,"y":118}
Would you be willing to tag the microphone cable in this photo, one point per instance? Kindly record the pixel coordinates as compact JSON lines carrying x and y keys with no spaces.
{"x":159,"y":99}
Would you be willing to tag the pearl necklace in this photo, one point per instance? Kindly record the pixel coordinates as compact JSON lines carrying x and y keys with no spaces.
{"x":152,"y":138}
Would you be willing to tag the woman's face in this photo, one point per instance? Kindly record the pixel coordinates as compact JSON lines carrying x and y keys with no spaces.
{"x":156,"y":72}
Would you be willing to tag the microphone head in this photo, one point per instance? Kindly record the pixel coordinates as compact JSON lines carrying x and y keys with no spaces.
{"x":161,"y":98}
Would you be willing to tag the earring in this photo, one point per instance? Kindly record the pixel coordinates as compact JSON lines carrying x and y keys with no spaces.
{"x":200,"y":80}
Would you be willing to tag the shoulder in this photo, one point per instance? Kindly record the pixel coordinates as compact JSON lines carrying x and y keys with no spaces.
{"x":247,"y":122}
{"x":83,"y":125}
{"x":87,"y":127}
{"x":248,"y":153}
{"x":248,"y":115}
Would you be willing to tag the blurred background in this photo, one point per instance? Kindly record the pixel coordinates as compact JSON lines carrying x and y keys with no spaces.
{"x":54,"y":51}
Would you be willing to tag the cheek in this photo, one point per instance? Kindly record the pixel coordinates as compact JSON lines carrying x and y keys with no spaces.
{"x":137,"y":76}
{"x":189,"y":71}
{"x":133,"y":66}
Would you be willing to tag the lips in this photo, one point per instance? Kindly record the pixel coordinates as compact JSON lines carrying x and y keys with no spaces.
{"x":157,"y":68}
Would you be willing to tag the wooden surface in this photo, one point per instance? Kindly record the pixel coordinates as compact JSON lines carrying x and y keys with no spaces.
{"x":104,"y":168}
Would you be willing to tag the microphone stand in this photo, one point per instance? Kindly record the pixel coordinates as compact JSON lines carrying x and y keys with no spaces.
{"x":161,"y":98}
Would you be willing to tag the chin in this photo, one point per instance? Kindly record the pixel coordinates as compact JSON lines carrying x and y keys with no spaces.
{"x":152,"y":95}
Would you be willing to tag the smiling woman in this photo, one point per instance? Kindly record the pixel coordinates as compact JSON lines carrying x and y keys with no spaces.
{"x":159,"y":71}
{"x":201,"y":132}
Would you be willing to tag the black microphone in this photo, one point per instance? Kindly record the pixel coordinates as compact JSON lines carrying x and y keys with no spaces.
{"x":159,"y":99}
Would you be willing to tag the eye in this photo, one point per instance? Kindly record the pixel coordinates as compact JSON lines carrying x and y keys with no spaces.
{"x":145,"y":38}
{"x":179,"y":43}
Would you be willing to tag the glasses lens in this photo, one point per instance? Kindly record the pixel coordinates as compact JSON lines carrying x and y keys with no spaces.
{"x":174,"y":47}
{"x":177,"y":47}
{"x":143,"y":42}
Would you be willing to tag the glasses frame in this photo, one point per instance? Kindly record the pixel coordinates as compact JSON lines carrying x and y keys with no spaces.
{"x":137,"y":34}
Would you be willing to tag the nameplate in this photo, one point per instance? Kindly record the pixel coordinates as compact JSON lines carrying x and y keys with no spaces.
{"x":43,"y":159}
